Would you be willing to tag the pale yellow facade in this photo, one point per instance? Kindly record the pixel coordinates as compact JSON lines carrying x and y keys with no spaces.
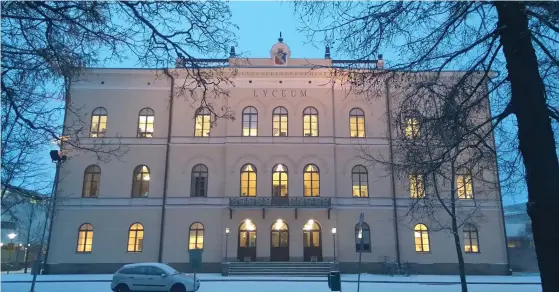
{"x":170,"y":208}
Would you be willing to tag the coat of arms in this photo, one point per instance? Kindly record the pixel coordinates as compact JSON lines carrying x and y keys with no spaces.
{"x":280,"y":57}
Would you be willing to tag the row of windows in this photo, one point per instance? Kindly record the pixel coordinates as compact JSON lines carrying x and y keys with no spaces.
{"x":280,"y":178}
{"x":280,"y":236}
{"x":249,"y":122}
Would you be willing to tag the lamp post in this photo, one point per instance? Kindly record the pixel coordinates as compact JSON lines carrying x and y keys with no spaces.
{"x":226,"y":241}
{"x":334,"y":239}
{"x":11,"y":236}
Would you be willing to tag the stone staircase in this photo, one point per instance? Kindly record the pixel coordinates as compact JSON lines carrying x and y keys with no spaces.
{"x":301,"y":269}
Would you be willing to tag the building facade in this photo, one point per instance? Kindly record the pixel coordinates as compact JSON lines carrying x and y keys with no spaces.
{"x":282,"y":181}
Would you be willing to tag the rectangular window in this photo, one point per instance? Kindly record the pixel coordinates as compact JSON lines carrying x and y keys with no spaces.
{"x":357,"y":127}
{"x":411,"y":130}
{"x":279,"y":125}
{"x":417,"y":188}
{"x":196,"y":240}
{"x":421,"y":241}
{"x":98,"y":126}
{"x":202,"y":126}
{"x":464,"y":186}
{"x":146,"y":126}
{"x":199,"y":186}
{"x":85,"y":241}
{"x":310,"y":125}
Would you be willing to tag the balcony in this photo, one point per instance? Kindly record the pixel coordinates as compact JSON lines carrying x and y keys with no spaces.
{"x":280,"y":202}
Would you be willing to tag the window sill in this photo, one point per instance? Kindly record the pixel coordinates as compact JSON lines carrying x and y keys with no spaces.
{"x":83,"y":252}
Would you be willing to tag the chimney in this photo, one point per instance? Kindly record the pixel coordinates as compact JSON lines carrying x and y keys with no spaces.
{"x":179,"y":63}
{"x":232,"y":52}
{"x":327,"y":53}
{"x":380,"y":62}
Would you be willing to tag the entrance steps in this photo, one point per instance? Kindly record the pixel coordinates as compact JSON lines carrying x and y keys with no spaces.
{"x":300,"y":269}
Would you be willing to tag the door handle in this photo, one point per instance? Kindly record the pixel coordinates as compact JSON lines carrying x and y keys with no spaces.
{"x":151,"y":278}
{"x":130,"y":277}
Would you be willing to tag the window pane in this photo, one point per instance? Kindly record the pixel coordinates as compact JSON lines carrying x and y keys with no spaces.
{"x":252,"y":239}
{"x":275,"y":239}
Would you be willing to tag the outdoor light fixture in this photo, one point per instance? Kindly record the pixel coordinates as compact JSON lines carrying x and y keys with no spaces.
{"x":334,"y":230}
{"x":279,"y":224}
{"x":11,"y":236}
{"x":227,"y":230}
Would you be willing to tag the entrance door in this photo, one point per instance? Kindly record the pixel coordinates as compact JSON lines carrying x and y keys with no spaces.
{"x":312,"y":245}
{"x":247,"y":241}
{"x":279,"y":243}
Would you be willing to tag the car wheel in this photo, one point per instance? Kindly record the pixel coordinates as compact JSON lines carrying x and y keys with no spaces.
{"x":122,"y":288}
{"x":178,"y":288}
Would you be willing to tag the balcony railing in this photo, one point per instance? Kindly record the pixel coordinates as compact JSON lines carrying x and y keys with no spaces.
{"x":280,"y":202}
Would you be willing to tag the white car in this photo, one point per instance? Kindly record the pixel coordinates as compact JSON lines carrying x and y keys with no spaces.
{"x":152,"y":277}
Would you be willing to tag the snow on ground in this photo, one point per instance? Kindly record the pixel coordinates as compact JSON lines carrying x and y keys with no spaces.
{"x":238,"y":286}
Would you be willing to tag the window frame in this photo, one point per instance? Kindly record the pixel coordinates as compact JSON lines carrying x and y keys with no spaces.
{"x":472,"y":229}
{"x":137,"y":246}
{"x":354,"y":114}
{"x":143,"y":133}
{"x":98,"y":112}
{"x":252,"y":117}
{"x":312,"y":111}
{"x":413,"y":122}
{"x":86,"y":231}
{"x":315,"y":172}
{"x":138,"y":170}
{"x":195,"y":173}
{"x":286,"y":171}
{"x":255,"y":171}
{"x":353,"y":172}
{"x":465,"y":196}
{"x":367,"y":236}
{"x":277,"y":112}
{"x":423,"y":229}
{"x":196,"y":235}
{"x":205,"y":113}
{"x":91,"y":174}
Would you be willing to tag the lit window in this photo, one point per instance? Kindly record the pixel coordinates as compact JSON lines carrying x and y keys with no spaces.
{"x":421,"y":235}
{"x":199,"y":181}
{"x":247,"y":234}
{"x":85,"y":238}
{"x":365,"y":234}
{"x":250,"y":121}
{"x":91,"y":181}
{"x":356,"y":123}
{"x":417,"y":188}
{"x":98,"y":122}
{"x":311,"y":181}
{"x":279,"y":181}
{"x":464,"y":186}
{"x":248,"y":181}
{"x":360,"y":182}
{"x":411,"y":130}
{"x":279,"y":121}
{"x":145,"y":123}
{"x":136,"y":238}
{"x":196,"y":236}
{"x":140,"y":184}
{"x":311,"y":234}
{"x":310,"y":122}
{"x":280,"y":234}
{"x":202,"y":122}
{"x":471,"y":243}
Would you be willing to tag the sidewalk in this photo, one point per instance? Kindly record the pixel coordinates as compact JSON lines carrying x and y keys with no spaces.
{"x":348,"y":278}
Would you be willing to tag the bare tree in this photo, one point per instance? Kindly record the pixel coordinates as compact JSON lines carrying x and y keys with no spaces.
{"x":516,"y":40}
{"x":47,"y":45}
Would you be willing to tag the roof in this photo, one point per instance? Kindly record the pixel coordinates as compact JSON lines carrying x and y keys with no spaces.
{"x":24,"y":192}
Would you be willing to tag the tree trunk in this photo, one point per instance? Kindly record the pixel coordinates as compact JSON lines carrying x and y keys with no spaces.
{"x":535,"y":135}
{"x":455,"y":233}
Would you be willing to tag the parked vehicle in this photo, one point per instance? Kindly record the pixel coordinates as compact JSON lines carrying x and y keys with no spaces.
{"x":152,"y":277}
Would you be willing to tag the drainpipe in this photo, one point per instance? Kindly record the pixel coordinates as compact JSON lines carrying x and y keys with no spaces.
{"x":165,"y":177}
{"x":335,"y":161}
{"x":392,"y":176}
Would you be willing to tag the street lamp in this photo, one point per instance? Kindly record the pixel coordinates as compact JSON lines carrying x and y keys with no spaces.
{"x":11,"y":236}
{"x":227,"y":230}
{"x":334,"y":239}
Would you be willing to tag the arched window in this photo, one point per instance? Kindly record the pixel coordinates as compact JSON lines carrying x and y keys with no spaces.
{"x":98,"y":122}
{"x":464,"y":185}
{"x":250,"y":121}
{"x":279,"y":121}
{"x":311,"y":235}
{"x":365,"y":234}
{"x":135,"y":238}
{"x":471,"y":241}
{"x":417,"y":187}
{"x":360,"y":182}
{"x":140,"y":183}
{"x":310,"y":122}
{"x":279,"y":181}
{"x":311,"y":181}
{"x":199,"y":181}
{"x":202,"y":122}
{"x":421,"y":235}
{"x":91,"y":182}
{"x":356,"y":123}
{"x":145,"y":123}
{"x":196,"y":236}
{"x":248,"y":181}
{"x":85,"y":238}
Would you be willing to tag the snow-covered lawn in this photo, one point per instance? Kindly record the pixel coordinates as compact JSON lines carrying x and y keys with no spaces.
{"x":215,"y":283}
